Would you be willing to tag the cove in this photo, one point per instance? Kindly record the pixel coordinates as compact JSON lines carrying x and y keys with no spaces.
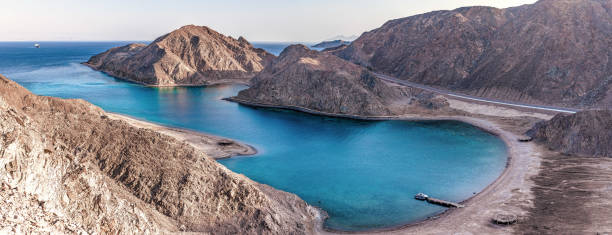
{"x":364,"y":174}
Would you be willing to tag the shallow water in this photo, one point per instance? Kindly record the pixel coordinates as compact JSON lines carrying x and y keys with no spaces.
{"x":363,"y":173}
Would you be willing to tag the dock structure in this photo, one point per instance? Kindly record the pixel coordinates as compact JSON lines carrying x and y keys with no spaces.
{"x":424,"y":197}
{"x":443,"y":203}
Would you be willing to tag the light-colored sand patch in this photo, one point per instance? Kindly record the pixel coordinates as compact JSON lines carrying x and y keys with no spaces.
{"x":308,"y":60}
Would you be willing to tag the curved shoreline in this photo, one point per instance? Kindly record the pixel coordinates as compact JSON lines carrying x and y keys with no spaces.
{"x":421,"y":226}
{"x":423,"y":222}
{"x":510,"y":139}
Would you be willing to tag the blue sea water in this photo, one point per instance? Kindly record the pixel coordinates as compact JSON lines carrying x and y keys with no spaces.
{"x":364,"y":174}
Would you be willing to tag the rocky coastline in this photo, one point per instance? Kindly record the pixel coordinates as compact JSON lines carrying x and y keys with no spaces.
{"x":66,"y":166}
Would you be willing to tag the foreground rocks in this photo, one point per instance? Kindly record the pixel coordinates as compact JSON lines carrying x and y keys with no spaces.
{"x":313,"y":81}
{"x":65,"y":167}
{"x":554,"y":52}
{"x":587,"y":133}
{"x":189,"y":56}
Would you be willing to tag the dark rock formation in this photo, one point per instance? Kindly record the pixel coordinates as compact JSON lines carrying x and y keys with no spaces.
{"x":321,"y":82}
{"x":553,"y":52}
{"x":334,"y":49}
{"x":587,"y":133}
{"x":329,"y":44}
{"x":65,"y":167}
{"x":191,"y":55}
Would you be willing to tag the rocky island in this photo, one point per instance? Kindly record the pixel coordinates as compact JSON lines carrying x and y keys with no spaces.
{"x":331,"y":44}
{"x":66,"y":167}
{"x":189,"y":56}
{"x":553,"y":52}
{"x":317,"y":82}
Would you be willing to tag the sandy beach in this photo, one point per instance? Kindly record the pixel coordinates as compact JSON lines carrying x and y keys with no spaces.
{"x":214,"y":146}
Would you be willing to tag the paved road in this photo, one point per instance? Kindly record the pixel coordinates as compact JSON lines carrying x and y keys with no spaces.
{"x":469,"y":97}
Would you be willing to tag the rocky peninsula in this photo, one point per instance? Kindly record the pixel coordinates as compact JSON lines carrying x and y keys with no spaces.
{"x":330,"y":44}
{"x":66,"y":167}
{"x":189,"y":56}
{"x":553,"y":52}
{"x":318,"y":82}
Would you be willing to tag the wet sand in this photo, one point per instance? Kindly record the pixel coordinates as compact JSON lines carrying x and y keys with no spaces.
{"x":214,"y":146}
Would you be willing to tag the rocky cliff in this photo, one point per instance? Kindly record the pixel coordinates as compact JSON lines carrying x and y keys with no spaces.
{"x":552,"y":52}
{"x":65,"y":167}
{"x":191,"y":55}
{"x":587,"y":133}
{"x":315,"y":81}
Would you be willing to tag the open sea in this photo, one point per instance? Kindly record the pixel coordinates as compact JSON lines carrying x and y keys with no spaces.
{"x":364,"y":174}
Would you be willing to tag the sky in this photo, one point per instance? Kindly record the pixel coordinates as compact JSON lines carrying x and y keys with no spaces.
{"x":258,"y":21}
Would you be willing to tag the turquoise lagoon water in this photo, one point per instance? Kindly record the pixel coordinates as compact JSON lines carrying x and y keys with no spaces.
{"x":364,"y":174}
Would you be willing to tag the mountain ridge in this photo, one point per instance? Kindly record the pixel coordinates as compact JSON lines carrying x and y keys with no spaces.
{"x":550,"y":52}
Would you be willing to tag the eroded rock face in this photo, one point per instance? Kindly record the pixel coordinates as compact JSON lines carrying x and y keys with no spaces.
{"x":191,"y":55}
{"x":553,"y":52}
{"x":587,"y":133}
{"x":322,"y":82}
{"x":66,"y":167}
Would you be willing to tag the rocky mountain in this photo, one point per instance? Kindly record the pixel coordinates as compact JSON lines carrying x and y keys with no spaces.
{"x":330,"y":44}
{"x":65,"y":167}
{"x":587,"y":133}
{"x":189,"y":56}
{"x":553,"y":52}
{"x":314,"y":81}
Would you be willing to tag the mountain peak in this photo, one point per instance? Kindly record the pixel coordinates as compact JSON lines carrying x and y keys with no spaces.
{"x":190,"y":55}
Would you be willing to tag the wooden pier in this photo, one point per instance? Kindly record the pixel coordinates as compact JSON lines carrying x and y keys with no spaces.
{"x":424,"y":197}
{"x":443,"y":203}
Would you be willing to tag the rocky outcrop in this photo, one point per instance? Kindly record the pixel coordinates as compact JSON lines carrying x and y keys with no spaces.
{"x":65,"y":167}
{"x":330,"y":44}
{"x":554,"y":52}
{"x":587,"y":133}
{"x":313,"y":81}
{"x":189,"y":56}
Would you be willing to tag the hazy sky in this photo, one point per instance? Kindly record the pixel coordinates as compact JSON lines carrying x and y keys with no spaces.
{"x":262,"y":20}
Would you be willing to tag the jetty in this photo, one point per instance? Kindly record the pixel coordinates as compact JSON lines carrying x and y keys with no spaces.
{"x":440,"y":202}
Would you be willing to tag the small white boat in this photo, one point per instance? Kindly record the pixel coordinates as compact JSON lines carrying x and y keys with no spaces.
{"x":37,"y":45}
{"x":421,"y":196}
